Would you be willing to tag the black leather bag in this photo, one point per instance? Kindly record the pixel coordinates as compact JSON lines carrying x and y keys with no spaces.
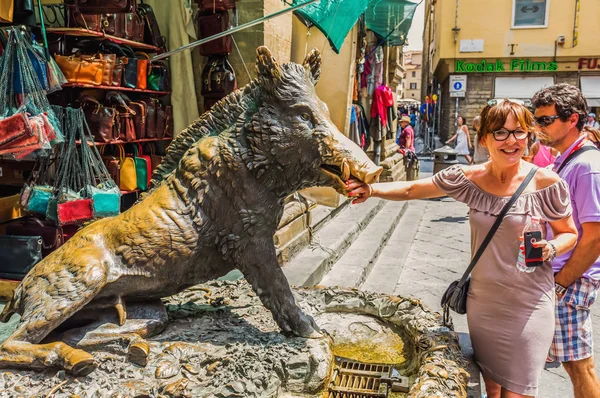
{"x":151,"y":30}
{"x":218,"y":77}
{"x":18,"y":255}
{"x":130,"y":70}
{"x":455,"y":296}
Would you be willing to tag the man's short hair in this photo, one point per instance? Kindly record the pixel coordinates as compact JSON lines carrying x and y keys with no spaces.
{"x":566,"y":98}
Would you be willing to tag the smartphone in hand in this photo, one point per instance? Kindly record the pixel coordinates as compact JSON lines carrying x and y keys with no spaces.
{"x":533,"y":255}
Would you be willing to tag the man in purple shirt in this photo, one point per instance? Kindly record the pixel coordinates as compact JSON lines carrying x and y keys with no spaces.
{"x":405,"y":138}
{"x":561,"y":112}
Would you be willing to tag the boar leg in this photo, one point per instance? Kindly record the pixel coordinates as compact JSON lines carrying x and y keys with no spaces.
{"x":271,"y":286}
{"x":105,"y":334}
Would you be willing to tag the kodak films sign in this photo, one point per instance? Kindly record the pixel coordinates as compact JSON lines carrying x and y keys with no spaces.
{"x":515,"y":65}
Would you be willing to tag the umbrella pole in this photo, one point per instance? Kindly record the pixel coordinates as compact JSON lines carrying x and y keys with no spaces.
{"x":229,"y":31}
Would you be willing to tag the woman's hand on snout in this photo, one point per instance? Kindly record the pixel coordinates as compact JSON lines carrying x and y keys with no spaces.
{"x":358,"y":190}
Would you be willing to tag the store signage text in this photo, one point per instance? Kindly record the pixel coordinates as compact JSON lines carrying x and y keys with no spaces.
{"x":515,"y":65}
{"x":588,"y":63}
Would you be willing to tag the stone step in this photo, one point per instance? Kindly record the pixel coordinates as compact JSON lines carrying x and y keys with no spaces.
{"x":309,"y":266}
{"x":354,"y":266}
{"x":385,"y":274}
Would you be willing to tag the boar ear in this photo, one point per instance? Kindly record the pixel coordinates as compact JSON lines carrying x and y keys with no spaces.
{"x":312,"y":63}
{"x":269,"y":71}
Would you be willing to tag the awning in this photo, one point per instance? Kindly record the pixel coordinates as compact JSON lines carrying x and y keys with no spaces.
{"x":590,"y":88}
{"x":390,"y":19}
{"x":520,"y":87}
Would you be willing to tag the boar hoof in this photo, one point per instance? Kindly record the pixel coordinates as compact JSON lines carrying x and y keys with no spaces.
{"x":306,"y":327}
{"x":138,"y":353}
{"x":80,"y":363}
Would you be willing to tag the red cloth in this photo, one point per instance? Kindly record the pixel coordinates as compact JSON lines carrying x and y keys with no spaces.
{"x":383,"y":98}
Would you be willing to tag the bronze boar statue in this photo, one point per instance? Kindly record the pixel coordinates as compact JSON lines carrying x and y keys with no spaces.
{"x":215,"y":206}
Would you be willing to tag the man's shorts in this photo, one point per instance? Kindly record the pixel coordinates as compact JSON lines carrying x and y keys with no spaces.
{"x":573,"y":334}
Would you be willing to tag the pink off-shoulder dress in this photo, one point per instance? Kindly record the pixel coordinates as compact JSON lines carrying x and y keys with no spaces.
{"x":510,"y":313}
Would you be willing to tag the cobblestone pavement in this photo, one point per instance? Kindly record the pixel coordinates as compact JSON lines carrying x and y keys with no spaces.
{"x":439,"y":254}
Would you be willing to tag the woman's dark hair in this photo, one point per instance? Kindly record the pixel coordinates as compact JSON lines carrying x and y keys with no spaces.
{"x":494,"y":117}
{"x":463,"y":119}
{"x":566,"y":98}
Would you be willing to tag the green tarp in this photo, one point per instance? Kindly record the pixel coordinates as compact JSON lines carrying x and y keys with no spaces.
{"x":335,"y":18}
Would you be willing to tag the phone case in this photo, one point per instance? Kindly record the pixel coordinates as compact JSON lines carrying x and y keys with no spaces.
{"x":533,"y":255}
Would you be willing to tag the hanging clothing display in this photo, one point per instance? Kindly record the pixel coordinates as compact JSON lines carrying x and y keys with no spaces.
{"x":359,"y":127}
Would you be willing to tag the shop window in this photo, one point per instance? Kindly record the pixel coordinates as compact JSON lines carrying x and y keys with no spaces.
{"x":530,"y":13}
{"x":413,"y":86}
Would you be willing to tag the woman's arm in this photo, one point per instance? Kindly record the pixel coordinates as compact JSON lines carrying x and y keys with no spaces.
{"x":452,"y":139}
{"x":564,"y":238}
{"x":397,"y":190}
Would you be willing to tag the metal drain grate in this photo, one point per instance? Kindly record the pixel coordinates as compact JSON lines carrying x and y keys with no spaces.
{"x":353,"y":379}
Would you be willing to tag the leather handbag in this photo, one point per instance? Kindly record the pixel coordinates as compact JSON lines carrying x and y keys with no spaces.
{"x":100,"y":119}
{"x":141,"y":170}
{"x":218,"y":77}
{"x":151,"y":117}
{"x":455,"y":296}
{"x":106,"y":47}
{"x":125,"y":114}
{"x":85,"y":69}
{"x":86,"y":21}
{"x":209,"y":25}
{"x":18,"y":255}
{"x":13,"y":128}
{"x":139,"y":119}
{"x":52,"y":236}
{"x":155,"y":157}
{"x":134,"y":27}
{"x":157,"y":77}
{"x":169,"y":122}
{"x":109,"y":69}
{"x":141,"y":155}
{"x":151,"y":29}
{"x":130,"y":71}
{"x":142,"y":69}
{"x":161,"y":122}
{"x":74,"y":211}
{"x":112,"y":165}
{"x":104,"y":6}
{"x":215,"y":5}
{"x":127,"y":176}
{"x":113,"y":24}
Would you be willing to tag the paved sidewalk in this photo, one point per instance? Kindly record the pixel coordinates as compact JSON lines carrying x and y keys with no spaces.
{"x":440,"y":253}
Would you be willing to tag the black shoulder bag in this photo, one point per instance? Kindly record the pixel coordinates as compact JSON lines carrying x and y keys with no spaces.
{"x":455,"y":296}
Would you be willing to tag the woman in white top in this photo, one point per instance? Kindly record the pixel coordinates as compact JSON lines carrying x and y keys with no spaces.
{"x":463,"y":141}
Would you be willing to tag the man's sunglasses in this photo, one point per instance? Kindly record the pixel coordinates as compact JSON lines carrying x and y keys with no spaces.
{"x":503,"y":134}
{"x":545,"y":121}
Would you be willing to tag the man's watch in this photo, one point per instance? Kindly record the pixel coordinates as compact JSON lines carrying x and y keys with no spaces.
{"x":559,"y":289}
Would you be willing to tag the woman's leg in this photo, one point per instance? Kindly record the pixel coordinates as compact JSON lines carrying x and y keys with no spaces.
{"x":468,"y":157}
{"x":510,"y":394}
{"x":492,"y":388}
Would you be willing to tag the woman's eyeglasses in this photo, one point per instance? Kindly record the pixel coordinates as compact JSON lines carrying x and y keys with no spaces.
{"x":503,"y":134}
{"x":545,"y":121}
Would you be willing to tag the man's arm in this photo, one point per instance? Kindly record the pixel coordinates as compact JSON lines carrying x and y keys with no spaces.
{"x":585,"y":254}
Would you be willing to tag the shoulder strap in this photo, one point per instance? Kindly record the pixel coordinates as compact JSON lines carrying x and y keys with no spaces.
{"x":494,"y":228}
{"x":576,"y":153}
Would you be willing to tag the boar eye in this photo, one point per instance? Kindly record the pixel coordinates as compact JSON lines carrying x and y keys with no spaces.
{"x":305,"y":116}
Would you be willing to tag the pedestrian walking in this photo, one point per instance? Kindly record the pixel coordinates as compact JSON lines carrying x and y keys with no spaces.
{"x":405,"y":137}
{"x":591,"y":121}
{"x":463,"y":140}
{"x":480,"y":153}
{"x":510,"y":313}
{"x":561,"y":112}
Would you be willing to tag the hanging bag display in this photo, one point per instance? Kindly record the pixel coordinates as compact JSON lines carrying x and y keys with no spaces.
{"x":127,"y":176}
{"x":37,"y":191}
{"x":209,"y":25}
{"x":104,"y":192}
{"x":218,"y":77}
{"x":215,"y":5}
{"x":151,"y":29}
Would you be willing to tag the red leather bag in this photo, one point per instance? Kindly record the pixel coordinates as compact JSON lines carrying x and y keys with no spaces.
{"x":209,"y":25}
{"x":148,"y":161}
{"x":215,"y":5}
{"x":75,"y":211}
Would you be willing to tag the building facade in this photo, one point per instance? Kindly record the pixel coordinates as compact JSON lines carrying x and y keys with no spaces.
{"x":412,"y":84}
{"x":507,"y":49}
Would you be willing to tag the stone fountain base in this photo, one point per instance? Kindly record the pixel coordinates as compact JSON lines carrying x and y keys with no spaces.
{"x":224,"y":343}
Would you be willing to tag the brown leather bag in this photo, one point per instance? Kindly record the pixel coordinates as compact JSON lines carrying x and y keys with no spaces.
{"x":169,"y":126}
{"x":100,"y":119}
{"x":161,"y":122}
{"x":126,"y":126}
{"x":113,"y":24}
{"x":134,"y":27}
{"x":215,"y":5}
{"x":85,"y":21}
{"x":151,"y":117}
{"x":117,"y":76}
{"x":86,"y":69}
{"x":103,"y":6}
{"x":142,"y":70}
{"x":218,"y":77}
{"x":112,"y":165}
{"x":109,"y":69}
{"x":139,"y":119}
{"x":209,"y":25}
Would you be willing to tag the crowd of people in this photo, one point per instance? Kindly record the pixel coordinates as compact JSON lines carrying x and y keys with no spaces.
{"x":519,"y":320}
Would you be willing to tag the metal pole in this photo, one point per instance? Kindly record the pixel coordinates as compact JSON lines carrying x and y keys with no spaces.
{"x":229,"y":31}
{"x":456,"y":116}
